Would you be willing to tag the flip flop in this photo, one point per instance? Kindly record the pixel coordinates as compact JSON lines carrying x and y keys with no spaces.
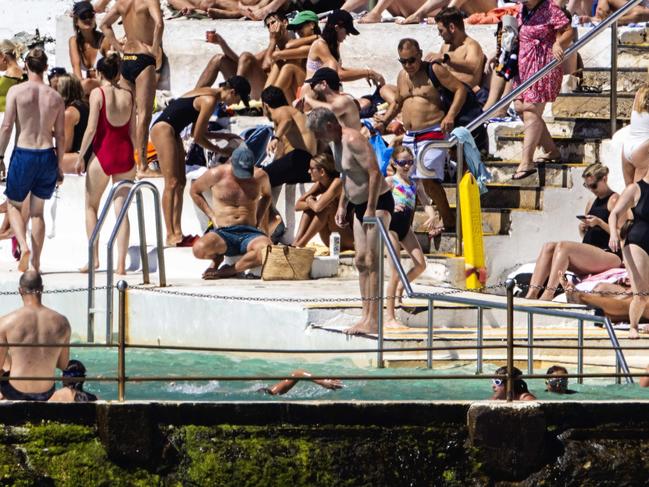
{"x":187,"y":241}
{"x":15,"y":248}
{"x":523,"y":174}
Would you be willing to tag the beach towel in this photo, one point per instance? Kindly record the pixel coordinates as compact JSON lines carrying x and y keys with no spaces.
{"x":472,"y":158}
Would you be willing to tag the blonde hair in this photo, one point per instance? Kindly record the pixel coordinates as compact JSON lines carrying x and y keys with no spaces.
{"x":401,"y":148}
{"x":12,"y":49}
{"x":70,"y":89}
{"x":325,"y":161}
{"x":642,"y":99}
{"x":595,"y":170}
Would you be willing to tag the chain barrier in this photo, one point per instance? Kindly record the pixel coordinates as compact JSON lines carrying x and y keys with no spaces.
{"x":59,"y":291}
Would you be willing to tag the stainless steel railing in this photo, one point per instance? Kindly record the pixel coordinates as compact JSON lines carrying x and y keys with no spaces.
{"x":135,"y":191}
{"x":610,"y":21}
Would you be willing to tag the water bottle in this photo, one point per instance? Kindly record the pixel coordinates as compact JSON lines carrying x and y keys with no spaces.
{"x":334,"y":244}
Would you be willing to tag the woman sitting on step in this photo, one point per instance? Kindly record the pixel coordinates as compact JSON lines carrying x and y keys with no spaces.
{"x":593,"y":254}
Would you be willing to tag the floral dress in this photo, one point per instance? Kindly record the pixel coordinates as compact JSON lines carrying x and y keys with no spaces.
{"x":536,"y":35}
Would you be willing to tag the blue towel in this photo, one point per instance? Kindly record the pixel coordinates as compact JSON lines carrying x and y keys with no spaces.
{"x":472,"y":158}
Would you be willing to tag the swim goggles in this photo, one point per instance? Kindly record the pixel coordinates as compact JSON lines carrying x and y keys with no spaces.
{"x":558,"y":383}
{"x":498,"y":382}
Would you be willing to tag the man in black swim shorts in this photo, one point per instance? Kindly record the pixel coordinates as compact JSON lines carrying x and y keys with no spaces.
{"x":141,"y":53}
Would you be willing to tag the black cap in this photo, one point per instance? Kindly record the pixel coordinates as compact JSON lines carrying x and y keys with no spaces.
{"x":325,"y":74}
{"x":344,"y":18}
{"x":241,"y":87}
{"x":57,"y":71}
{"x":243,"y":162}
{"x":80,"y":8}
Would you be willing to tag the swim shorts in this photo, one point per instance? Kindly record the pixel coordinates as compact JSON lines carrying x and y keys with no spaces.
{"x":12,"y":394}
{"x":237,"y":237}
{"x":292,"y":168}
{"x":134,"y":64}
{"x":34,"y":170}
{"x":385,"y":202}
{"x":433,"y":163}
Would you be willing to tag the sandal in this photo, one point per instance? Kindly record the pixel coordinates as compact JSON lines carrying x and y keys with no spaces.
{"x":518,"y":175}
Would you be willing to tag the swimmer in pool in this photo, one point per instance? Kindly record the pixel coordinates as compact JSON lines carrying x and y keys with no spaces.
{"x":521,"y":392}
{"x":286,"y":385}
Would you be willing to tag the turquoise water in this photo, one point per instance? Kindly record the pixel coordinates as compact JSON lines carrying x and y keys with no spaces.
{"x":154,"y":362}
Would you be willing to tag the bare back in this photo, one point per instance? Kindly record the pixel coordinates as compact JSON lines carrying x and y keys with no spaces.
{"x":37,"y":109}
{"x":138,"y":24}
{"x":420,"y":101}
{"x":119,"y":104}
{"x":35,"y":324}
{"x":469,"y":52}
{"x":234,"y":201}
{"x":298,"y":135}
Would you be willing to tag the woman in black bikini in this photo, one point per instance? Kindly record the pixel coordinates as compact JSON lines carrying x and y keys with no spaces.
{"x":636,"y":246}
{"x":593,"y":255}
{"x":86,"y":45}
{"x":195,"y":107}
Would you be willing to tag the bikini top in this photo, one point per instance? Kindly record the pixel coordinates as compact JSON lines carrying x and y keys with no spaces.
{"x":312,"y":65}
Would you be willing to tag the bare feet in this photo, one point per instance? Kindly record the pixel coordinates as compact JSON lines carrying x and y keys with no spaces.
{"x":363,"y":327}
{"x":223,"y":273}
{"x":120,"y":271}
{"x":147,"y":173}
{"x":572,"y":295}
{"x":394,"y":324}
{"x":23,"y":264}
{"x":633,"y":333}
{"x":411,"y":19}
{"x":173,"y":240}
{"x":370,"y":18}
{"x":213,"y":267}
{"x":84,"y":269}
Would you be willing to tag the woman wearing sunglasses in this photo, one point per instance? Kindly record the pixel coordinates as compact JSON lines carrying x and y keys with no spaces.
{"x":86,"y":45}
{"x":404,"y":192}
{"x":593,"y":254}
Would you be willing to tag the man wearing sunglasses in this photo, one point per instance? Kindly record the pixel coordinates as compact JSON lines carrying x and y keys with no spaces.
{"x":418,"y":101}
{"x":141,"y":56}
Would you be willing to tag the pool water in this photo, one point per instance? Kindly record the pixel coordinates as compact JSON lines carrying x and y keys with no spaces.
{"x":164,"y":363}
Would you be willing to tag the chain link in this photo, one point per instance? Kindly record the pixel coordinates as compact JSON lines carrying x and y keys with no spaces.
{"x":59,"y":291}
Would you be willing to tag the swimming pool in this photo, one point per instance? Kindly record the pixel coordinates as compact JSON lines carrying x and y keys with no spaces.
{"x":158,"y":363}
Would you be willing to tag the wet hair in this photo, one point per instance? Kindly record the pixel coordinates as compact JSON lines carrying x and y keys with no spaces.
{"x":11,"y":49}
{"x":642,"y":104}
{"x":450,"y":15}
{"x":318,"y":119}
{"x":557,"y":368}
{"x":596,"y":170}
{"x":31,"y":282}
{"x":274,"y":97}
{"x":109,"y":66}
{"x":330,"y":36}
{"x":325,"y":161}
{"x":36,"y":60}
{"x":279,"y":15}
{"x":70,"y":89}
{"x":74,"y":369}
{"x":408,"y":42}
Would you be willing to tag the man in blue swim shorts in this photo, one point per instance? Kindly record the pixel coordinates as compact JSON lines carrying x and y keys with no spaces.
{"x":241,"y":196}
{"x":37,"y":111}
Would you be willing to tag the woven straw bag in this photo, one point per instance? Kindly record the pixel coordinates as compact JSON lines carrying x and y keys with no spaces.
{"x":284,"y":263}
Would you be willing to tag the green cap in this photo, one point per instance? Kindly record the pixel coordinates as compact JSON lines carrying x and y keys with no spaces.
{"x":302,"y":18}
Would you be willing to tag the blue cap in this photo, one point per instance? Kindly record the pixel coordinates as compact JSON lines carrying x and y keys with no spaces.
{"x":243,"y":162}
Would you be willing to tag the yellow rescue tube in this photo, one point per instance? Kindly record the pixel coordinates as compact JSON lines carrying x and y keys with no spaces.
{"x":474,"y":259}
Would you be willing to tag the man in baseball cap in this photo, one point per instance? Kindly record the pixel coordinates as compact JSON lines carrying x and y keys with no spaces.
{"x":240,"y":86}
{"x":325,"y":85}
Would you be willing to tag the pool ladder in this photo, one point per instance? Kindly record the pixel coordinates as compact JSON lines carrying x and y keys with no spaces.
{"x":135,"y":191}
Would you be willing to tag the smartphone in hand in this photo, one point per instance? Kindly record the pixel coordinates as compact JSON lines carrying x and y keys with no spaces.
{"x":582,"y":217}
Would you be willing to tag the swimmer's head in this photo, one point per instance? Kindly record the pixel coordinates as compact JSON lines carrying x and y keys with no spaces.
{"x":30,"y":282}
{"x":36,"y":61}
{"x":75,"y":369}
{"x":558,"y":384}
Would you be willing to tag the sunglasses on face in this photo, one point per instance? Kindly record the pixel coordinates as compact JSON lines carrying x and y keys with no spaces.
{"x":592,"y":185}
{"x":404,"y":162}
{"x":497,"y":382}
{"x":87,"y":16}
{"x":409,"y":60}
{"x":559,"y":383}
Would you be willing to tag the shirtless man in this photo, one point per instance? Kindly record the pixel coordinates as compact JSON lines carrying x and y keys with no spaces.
{"x":368,"y":195}
{"x":38,"y":112}
{"x":141,"y":56}
{"x":425,"y":121}
{"x":414,"y":11}
{"x":461,"y":54}
{"x":253,"y":67}
{"x":293,"y":144}
{"x":325,"y":84}
{"x":240,"y":199}
{"x":31,"y":324}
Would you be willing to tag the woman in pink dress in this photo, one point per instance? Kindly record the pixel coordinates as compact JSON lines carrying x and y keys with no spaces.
{"x":544,"y":34}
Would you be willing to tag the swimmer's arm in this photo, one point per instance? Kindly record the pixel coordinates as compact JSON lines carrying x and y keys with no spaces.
{"x":59,"y":135}
{"x":200,"y":127}
{"x":264,"y":201}
{"x":106,"y":28}
{"x":395,"y":107}
{"x":624,"y":202}
{"x":156,"y":14}
{"x":4,"y":349}
{"x":283,"y":123}
{"x":301,"y":204}
{"x":8,"y":120}
{"x":301,"y":41}
{"x":332,"y":194}
{"x":291,"y":53}
{"x":64,"y":356}
{"x":91,"y":128}
{"x":199,"y":186}
{"x":75,"y":59}
{"x":100,"y":5}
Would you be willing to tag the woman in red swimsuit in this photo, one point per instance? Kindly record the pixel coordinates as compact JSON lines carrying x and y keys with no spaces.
{"x":110,"y":131}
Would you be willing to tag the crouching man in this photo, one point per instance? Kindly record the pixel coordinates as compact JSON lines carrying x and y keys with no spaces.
{"x":240,"y":198}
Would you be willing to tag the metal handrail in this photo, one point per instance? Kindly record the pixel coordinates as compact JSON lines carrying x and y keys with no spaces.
{"x":507,"y":99}
{"x":510,"y":306}
{"x":135,"y":191}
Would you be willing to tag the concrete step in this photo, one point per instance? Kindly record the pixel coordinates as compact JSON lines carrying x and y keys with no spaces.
{"x":553,"y":175}
{"x":505,"y":196}
{"x":510,"y":147}
{"x":591,"y":105}
{"x":628,"y":79}
{"x":633,"y":55}
{"x":565,"y":127}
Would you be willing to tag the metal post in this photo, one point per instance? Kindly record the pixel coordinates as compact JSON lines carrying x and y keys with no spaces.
{"x":142,"y":230}
{"x":530,"y":342}
{"x":121,"y":340}
{"x":613,"y":77}
{"x":429,"y":352}
{"x":618,"y":369}
{"x":458,"y":211}
{"x":162,"y":276}
{"x":480,"y":341}
{"x":510,"y":339}
{"x":580,"y":350}
{"x":379,"y":302}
